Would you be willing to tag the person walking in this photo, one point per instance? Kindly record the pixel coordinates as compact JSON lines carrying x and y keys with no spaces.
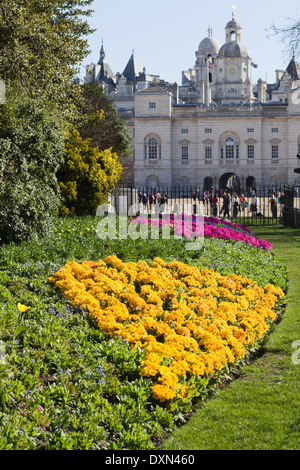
{"x":273,"y":205}
{"x":226,"y":206}
{"x":236,"y":206}
{"x":253,"y":206}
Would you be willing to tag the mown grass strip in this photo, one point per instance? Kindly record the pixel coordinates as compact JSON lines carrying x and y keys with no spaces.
{"x":260,"y":409}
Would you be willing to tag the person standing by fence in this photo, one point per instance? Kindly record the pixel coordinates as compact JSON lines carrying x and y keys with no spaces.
{"x":253,"y":206}
{"x":273,"y":205}
{"x":242,"y":202}
{"x":226,"y":206}
{"x":236,"y":206}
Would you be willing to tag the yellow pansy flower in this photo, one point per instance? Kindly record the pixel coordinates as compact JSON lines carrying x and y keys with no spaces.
{"x":22,"y":308}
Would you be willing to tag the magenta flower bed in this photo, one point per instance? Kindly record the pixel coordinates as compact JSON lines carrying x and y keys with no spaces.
{"x":189,"y":226}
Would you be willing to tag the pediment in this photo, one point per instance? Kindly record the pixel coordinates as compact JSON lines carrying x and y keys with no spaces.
{"x":208,"y":142}
{"x":184,"y":142}
{"x":275,"y":141}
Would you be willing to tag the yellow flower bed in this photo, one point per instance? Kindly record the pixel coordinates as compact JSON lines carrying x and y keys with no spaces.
{"x":188,"y":322}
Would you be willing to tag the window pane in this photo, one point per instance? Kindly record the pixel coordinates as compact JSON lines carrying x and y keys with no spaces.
{"x":250,"y":151}
{"x":184,"y":153}
{"x":152,"y":149}
{"x":229,"y":148}
{"x":274,"y":151}
{"x":208,"y":153}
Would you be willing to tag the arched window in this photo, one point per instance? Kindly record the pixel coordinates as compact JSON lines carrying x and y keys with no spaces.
{"x":229,"y":148}
{"x":275,"y":182}
{"x":152,"y":182}
{"x":152,"y":148}
{"x":232,"y":36}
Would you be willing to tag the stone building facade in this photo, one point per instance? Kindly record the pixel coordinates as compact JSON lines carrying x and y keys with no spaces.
{"x":216,"y":129}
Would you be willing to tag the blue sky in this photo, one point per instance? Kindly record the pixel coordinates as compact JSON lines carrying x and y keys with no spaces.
{"x":165,"y":34}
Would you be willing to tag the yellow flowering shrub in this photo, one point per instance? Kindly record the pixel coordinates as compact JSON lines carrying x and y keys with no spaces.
{"x":188,"y":322}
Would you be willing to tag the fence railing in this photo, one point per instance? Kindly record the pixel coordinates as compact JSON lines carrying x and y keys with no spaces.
{"x":263,"y":206}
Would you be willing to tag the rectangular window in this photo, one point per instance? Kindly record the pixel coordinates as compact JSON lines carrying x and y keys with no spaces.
{"x":274,"y":129}
{"x":152,"y":105}
{"x":184,"y":131}
{"x":152,"y":149}
{"x":250,"y":130}
{"x":184,"y":153}
{"x":250,"y":151}
{"x":275,"y":152}
{"x":208,"y":153}
{"x":208,"y":131}
{"x":229,"y":151}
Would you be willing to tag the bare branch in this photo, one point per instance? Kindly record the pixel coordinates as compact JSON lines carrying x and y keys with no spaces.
{"x":289,"y":35}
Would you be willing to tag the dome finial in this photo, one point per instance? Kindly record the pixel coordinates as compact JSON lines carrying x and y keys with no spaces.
{"x":209,"y":32}
{"x":233,"y":11}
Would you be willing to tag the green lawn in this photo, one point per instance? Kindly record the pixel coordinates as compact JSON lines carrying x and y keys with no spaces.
{"x":259,"y":410}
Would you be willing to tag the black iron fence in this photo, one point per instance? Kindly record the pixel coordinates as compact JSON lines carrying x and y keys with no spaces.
{"x":264,"y":206}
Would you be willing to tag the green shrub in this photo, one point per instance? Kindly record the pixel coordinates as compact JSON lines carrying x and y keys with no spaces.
{"x":31,"y":150}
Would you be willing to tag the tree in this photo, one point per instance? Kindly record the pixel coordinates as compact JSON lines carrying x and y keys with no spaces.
{"x":87,"y":176}
{"x":101,"y":122}
{"x":31,"y":152}
{"x":289,"y":34}
{"x":42,"y":42}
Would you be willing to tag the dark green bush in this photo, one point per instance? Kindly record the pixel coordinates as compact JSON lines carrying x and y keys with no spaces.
{"x":31,"y":151}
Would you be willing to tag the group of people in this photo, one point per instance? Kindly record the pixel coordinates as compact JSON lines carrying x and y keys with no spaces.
{"x":230,"y":203}
{"x":153,"y":198}
{"x":239,"y":204}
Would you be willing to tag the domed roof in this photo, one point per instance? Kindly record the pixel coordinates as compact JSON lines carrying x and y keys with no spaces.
{"x":209,"y":45}
{"x":233,"y":49}
{"x":233,"y":24}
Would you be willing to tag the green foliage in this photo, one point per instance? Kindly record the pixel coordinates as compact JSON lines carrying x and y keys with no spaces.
{"x":106,"y":129}
{"x":87,"y":176}
{"x":31,"y":150}
{"x":42,"y":42}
